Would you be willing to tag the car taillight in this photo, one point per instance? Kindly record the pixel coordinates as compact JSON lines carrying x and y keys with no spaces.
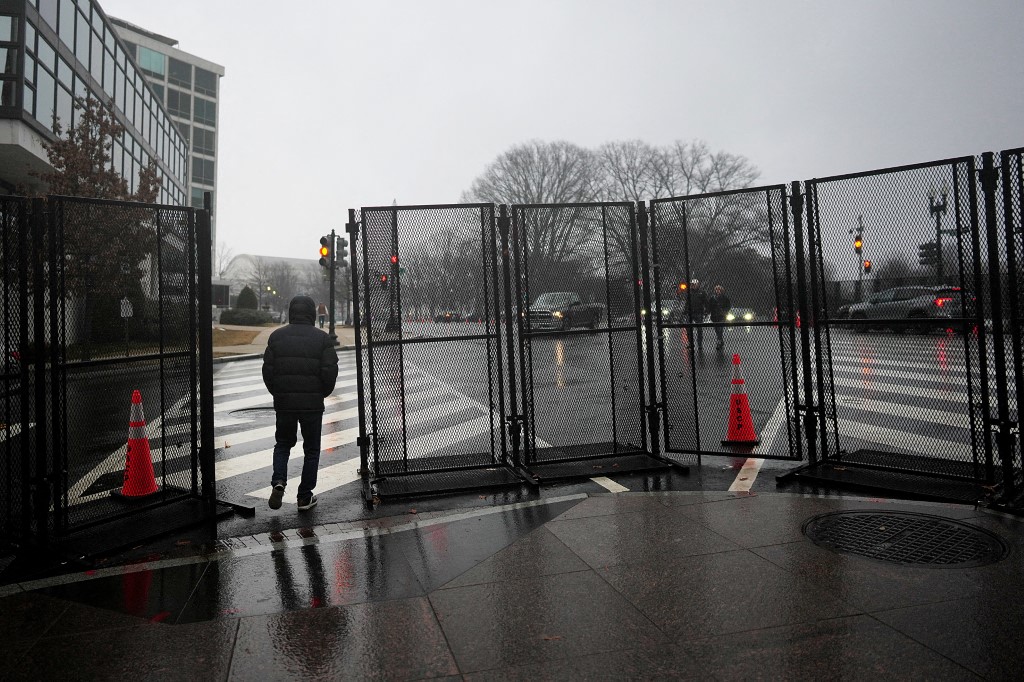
{"x":943,"y":300}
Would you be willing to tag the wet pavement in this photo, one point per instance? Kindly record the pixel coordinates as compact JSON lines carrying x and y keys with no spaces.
{"x":682,"y":585}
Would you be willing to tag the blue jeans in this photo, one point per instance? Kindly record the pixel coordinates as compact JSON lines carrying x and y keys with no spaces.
{"x":285,"y":439}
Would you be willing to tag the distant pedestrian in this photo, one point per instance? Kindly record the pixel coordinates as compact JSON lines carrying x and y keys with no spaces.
{"x":300,"y":368}
{"x":719,"y":306}
{"x":321,"y":314}
{"x":698,"y":309}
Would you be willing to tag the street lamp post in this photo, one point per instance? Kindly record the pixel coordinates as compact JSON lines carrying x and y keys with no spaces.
{"x":937,"y":208}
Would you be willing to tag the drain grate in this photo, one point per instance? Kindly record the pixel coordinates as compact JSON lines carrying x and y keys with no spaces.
{"x":905,"y":538}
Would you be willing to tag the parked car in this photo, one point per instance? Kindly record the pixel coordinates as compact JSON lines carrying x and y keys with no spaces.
{"x":740,"y":315}
{"x":562,"y":310}
{"x":914,"y":303}
{"x":448,"y":316}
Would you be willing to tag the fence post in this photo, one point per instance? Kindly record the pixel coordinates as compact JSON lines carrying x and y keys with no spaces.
{"x":352,"y":227}
{"x":39,"y":485}
{"x":652,"y":315}
{"x":513,"y":416}
{"x":204,"y":251}
{"x":1004,"y":437}
{"x":796,"y":201}
{"x":1012,"y":284}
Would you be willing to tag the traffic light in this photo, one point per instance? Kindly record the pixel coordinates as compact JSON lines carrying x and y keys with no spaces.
{"x":394,"y":259}
{"x":867,"y":267}
{"x":858,"y":244}
{"x":384,"y":282}
{"x":325,"y":252}
{"x":682,"y":286}
{"x":928,"y":253}
{"x":341,"y":253}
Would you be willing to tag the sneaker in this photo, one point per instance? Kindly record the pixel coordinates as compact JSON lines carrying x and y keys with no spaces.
{"x":307,"y":503}
{"x":276,"y":495}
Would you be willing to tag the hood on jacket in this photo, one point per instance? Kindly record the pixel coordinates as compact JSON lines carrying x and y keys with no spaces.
{"x":302,"y":310}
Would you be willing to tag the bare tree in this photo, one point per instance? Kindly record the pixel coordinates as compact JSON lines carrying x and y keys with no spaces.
{"x":224,"y":255}
{"x":626,"y":171}
{"x":260,"y":276}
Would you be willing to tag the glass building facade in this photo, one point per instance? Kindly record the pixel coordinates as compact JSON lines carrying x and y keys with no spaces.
{"x":52,"y":51}
{"x":189,"y":87}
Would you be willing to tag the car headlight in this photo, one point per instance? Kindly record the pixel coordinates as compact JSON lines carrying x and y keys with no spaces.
{"x":748,"y":316}
{"x":558,"y":313}
{"x":664,"y":311}
{"x":730,"y":317}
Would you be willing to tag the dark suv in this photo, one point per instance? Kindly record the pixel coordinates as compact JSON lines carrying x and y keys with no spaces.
{"x":914,"y":303}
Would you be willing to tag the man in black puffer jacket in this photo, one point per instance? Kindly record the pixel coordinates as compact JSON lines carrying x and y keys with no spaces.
{"x":300,"y":368}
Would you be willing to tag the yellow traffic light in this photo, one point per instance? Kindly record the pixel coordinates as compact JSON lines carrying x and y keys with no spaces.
{"x":682,"y":286}
{"x":857,"y":244}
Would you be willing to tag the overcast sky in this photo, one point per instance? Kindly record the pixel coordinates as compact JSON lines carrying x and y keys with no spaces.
{"x":330,"y":104}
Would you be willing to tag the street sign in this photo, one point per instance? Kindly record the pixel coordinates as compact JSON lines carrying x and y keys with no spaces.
{"x":126,"y":307}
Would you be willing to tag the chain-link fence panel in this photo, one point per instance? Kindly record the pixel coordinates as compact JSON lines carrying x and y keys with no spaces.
{"x":897,"y":301}
{"x":122,"y":332}
{"x":16,"y":416}
{"x":1010,"y":231}
{"x":578,"y":302}
{"x":723,"y":271}
{"x":430,"y":333}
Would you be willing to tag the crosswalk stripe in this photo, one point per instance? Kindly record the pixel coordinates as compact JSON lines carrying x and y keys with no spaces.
{"x":266,"y":400}
{"x":328,"y":478}
{"x":899,"y":440}
{"x":906,"y":370}
{"x":234,"y":466}
{"x":252,"y":435}
{"x":901,"y":390}
{"x":255,"y":381}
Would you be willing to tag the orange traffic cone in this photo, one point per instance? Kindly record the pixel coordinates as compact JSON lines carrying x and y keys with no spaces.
{"x":138,"y":467}
{"x":741,"y":426}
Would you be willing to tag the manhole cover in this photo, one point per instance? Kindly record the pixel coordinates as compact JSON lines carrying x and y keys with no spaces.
{"x":905,"y":538}
{"x":254,"y":413}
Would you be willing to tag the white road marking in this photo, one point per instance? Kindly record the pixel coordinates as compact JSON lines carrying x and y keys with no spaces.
{"x":328,"y":478}
{"x":609,"y":485}
{"x":247,"y":384}
{"x":243,"y":464}
{"x":747,"y":475}
{"x":868,"y":386}
{"x":900,"y":442}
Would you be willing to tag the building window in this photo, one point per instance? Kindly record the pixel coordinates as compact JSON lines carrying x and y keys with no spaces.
{"x":152,"y":62}
{"x":8,"y":61}
{"x":158,"y":89}
{"x":202,"y":171}
{"x":206,"y":82}
{"x":48,"y":11}
{"x":8,"y":29}
{"x":206,"y":112}
{"x":8,"y":92}
{"x":82,"y":40}
{"x":204,"y":141}
{"x":179,"y":103}
{"x":180,"y":73}
{"x":185,"y":129}
{"x":66,"y":31}
{"x":197,"y":197}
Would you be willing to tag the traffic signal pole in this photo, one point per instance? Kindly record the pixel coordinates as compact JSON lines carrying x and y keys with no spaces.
{"x":330,"y":296}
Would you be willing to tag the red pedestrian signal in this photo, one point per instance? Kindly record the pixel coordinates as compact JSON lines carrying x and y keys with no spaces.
{"x":867,"y":267}
{"x":383,"y":281}
{"x":394,"y":259}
